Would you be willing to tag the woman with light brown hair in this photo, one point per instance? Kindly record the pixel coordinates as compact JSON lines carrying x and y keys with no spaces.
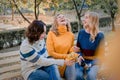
{"x":60,"y":41}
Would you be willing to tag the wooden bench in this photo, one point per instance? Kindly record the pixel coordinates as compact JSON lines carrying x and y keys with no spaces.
{"x":10,"y":66}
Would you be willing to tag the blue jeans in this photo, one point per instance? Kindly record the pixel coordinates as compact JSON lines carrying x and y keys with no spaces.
{"x":91,"y":72}
{"x":45,"y":73}
{"x":70,"y":72}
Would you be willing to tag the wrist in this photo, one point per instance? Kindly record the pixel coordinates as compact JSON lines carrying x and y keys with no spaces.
{"x":79,"y":56}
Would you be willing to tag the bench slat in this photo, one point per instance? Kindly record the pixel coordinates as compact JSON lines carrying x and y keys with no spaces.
{"x":9,"y":54}
{"x":10,"y":60}
{"x":10,"y":68}
{"x":9,"y":75}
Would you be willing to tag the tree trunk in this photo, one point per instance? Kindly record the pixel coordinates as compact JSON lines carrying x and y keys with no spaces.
{"x":12,"y":10}
{"x":113,"y":25}
{"x":79,"y":13}
{"x":12,"y":14}
{"x":35,"y":9}
{"x":38,"y":12}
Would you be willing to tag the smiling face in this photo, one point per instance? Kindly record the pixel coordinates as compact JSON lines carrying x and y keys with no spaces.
{"x":61,"y":20}
{"x":86,"y":21}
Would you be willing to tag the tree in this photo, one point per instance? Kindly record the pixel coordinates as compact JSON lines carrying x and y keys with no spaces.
{"x":15,"y":3}
{"x":78,"y":11}
{"x":27,"y":3}
{"x":108,"y":6}
{"x":111,"y":8}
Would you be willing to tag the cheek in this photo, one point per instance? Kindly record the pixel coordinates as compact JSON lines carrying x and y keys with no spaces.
{"x":58,"y":22}
{"x":42,"y":36}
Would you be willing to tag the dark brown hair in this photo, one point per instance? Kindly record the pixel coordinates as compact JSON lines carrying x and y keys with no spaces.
{"x":34,"y":30}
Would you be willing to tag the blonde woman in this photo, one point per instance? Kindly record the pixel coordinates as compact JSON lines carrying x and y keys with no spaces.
{"x":88,"y":40}
{"x":59,"y":43}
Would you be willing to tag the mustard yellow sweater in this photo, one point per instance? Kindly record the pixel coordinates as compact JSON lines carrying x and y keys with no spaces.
{"x":59,"y":46}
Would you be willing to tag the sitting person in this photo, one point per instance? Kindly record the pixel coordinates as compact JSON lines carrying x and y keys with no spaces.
{"x":88,"y":40}
{"x":60,"y":41}
{"x":35,"y":61}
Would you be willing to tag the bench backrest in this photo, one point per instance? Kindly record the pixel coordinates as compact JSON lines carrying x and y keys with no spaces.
{"x":9,"y":65}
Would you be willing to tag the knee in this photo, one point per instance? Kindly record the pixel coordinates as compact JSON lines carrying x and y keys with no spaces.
{"x":79,"y":76}
{"x":38,"y":76}
{"x":53,"y":67}
{"x":91,"y":76}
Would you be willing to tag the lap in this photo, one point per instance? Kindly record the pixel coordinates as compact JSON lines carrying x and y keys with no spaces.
{"x":38,"y":75}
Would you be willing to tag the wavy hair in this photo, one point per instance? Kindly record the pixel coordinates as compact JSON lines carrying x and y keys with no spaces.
{"x":94,"y":22}
{"x":34,"y":30}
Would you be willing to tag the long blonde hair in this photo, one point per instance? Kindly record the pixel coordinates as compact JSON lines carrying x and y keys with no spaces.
{"x":94,"y":22}
{"x":55,"y":26}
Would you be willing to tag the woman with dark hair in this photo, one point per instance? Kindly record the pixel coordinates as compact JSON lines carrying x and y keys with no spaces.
{"x":35,"y":61}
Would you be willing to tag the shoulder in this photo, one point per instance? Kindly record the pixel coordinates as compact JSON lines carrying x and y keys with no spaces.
{"x":101,"y":34}
{"x":71,"y":33}
{"x":81,"y":31}
{"x":51,"y":33}
{"x":25,"y":42}
{"x":25,"y":46}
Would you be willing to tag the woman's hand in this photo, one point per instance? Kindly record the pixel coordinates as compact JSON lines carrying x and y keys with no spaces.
{"x":69,"y":62}
{"x":80,"y":58}
{"x":76,"y":49}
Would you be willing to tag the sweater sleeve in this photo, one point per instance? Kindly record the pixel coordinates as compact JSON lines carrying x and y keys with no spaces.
{"x":71,"y":49}
{"x":27,"y":53}
{"x":50,"y":47}
{"x":77,"y":43}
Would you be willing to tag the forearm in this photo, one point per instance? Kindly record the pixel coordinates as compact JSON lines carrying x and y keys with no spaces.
{"x":57,"y":55}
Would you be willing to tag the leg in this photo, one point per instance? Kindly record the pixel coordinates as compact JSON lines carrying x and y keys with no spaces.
{"x":70,"y":72}
{"x":38,"y":75}
{"x":79,"y":72}
{"x":53,"y":72}
{"x":92,"y":73}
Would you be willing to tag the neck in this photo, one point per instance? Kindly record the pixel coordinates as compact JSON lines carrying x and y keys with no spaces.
{"x":61,"y":25}
{"x":62,"y":29}
{"x":87,"y":30}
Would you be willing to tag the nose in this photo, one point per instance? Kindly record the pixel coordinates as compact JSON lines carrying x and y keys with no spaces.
{"x":62,"y":17}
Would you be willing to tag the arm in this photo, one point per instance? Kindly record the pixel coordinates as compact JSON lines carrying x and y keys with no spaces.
{"x":72,"y":45}
{"x":50,"y":47}
{"x":27,"y":53}
{"x":78,"y":44}
{"x":76,"y":48}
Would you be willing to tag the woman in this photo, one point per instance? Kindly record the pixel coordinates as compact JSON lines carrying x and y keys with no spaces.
{"x":35,"y":62}
{"x":59,"y":43}
{"x":88,"y":40}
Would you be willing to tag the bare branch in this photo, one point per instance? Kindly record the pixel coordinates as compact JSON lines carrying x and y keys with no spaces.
{"x":21,"y":12}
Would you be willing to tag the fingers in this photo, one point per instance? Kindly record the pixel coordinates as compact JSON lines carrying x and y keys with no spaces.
{"x":76,"y":49}
{"x":69,"y":62}
{"x":80,"y":58}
